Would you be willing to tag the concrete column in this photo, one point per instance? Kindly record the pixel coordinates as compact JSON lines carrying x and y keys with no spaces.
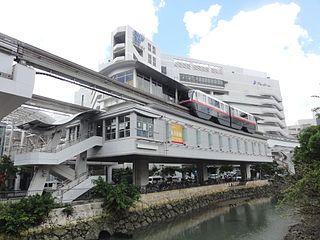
{"x":22,"y":138}
{"x":245,"y":171}
{"x":84,"y":129}
{"x":140,"y":172}
{"x":202,"y":172}
{"x":176,"y":96}
{"x":10,"y":140}
{"x":68,"y":134}
{"x":81,"y":164}
{"x":54,"y":141}
{"x":109,"y":173}
{"x":133,"y":124}
{"x":104,"y":129}
{"x":17,"y":182}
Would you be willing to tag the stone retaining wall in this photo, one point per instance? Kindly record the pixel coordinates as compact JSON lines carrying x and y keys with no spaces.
{"x":89,"y":220}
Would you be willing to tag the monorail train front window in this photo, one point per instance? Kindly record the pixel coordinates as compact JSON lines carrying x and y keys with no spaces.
{"x":202,"y":97}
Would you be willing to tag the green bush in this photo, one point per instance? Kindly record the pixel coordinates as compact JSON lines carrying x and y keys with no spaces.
{"x":304,"y":187}
{"x":68,"y":210}
{"x":28,"y":212}
{"x":116,"y":197}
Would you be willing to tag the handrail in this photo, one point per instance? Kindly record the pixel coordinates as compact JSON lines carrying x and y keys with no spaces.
{"x":58,"y":148}
{"x":68,"y":184}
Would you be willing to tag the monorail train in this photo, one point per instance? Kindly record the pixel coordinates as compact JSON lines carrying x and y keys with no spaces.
{"x":207,"y":107}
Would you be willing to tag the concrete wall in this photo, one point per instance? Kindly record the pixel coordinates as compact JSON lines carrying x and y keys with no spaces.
{"x":89,"y":220}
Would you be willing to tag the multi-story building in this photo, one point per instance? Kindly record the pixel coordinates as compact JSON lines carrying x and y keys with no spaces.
{"x":302,"y":124}
{"x":248,"y":90}
{"x":134,"y":57}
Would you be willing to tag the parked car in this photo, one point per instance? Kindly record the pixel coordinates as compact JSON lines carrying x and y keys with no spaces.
{"x":214,"y":176}
{"x":155,"y":179}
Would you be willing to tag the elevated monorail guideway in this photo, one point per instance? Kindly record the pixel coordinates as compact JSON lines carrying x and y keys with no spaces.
{"x":74,"y":73}
{"x":71,"y":72}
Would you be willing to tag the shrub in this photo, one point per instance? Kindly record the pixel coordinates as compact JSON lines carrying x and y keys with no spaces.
{"x":116,"y":197}
{"x":28,"y":212}
{"x":68,"y":210}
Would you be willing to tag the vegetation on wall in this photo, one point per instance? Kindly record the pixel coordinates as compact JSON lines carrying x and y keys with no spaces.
{"x":304,"y":186}
{"x":68,"y":210}
{"x":28,"y":212}
{"x":116,"y":198}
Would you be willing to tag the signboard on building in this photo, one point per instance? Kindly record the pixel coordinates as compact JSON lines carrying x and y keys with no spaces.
{"x":176,"y":133}
{"x":138,"y":38}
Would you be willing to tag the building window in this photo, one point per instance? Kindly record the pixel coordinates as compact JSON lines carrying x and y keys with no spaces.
{"x":149,"y":47}
{"x":238,"y":145}
{"x":154,"y":61}
{"x":124,"y":77}
{"x":163,"y":69}
{"x":111,"y":127}
{"x":153,"y":49}
{"x":201,"y":80}
{"x":143,"y":83}
{"x":124,"y":126}
{"x":210,"y":140}
{"x":198,"y":133}
{"x":149,"y":58}
{"x":144,"y":126}
{"x":220,"y":142}
{"x":156,"y":89}
{"x":230,"y":144}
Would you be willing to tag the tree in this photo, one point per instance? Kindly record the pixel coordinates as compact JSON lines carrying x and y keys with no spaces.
{"x":304,"y":186}
{"x":7,"y":171}
{"x":116,"y":198}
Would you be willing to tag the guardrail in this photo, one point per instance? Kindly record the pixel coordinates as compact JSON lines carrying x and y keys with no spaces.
{"x":55,"y":149}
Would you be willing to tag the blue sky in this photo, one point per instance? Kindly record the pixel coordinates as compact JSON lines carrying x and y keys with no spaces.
{"x":281,"y":38}
{"x":171,"y":23}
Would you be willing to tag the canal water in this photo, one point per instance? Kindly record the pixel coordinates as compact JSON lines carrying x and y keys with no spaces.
{"x":254,"y":220}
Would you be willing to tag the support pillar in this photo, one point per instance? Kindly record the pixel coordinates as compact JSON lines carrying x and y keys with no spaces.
{"x":202,"y":172}
{"x":245,"y":171}
{"x":17,"y":182}
{"x":140,"y":172}
{"x":109,"y":173}
{"x":81,"y":164}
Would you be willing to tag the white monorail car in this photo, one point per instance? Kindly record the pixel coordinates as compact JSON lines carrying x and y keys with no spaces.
{"x":207,"y":107}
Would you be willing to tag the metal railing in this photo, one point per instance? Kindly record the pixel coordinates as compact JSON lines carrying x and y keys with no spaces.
{"x":8,"y":195}
{"x":55,"y":149}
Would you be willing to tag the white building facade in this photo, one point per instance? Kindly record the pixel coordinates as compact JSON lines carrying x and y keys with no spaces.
{"x":248,"y":90}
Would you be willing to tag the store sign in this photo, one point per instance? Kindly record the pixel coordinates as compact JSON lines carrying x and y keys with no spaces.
{"x":177,"y":133}
{"x":138,"y":38}
{"x":260,"y":84}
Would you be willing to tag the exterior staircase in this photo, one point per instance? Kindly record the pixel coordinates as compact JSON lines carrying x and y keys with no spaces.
{"x":56,"y":156}
{"x":70,"y":191}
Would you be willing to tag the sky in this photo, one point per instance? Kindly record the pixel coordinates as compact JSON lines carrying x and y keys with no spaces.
{"x":281,"y":38}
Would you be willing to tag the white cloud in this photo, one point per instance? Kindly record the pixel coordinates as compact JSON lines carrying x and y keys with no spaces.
{"x":199,"y":24}
{"x":77,"y":30}
{"x":267,"y":39}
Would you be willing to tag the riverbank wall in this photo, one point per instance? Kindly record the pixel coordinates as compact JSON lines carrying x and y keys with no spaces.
{"x":89,"y":221}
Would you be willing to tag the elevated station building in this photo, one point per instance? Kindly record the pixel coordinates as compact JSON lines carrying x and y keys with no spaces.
{"x":118,"y":130}
{"x":249,"y":90}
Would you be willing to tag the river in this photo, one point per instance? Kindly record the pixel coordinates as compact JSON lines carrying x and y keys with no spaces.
{"x":254,"y":220}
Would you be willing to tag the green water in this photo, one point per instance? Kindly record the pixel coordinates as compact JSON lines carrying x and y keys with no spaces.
{"x":257,"y":220}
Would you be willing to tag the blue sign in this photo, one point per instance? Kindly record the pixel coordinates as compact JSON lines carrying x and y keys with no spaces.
{"x":138,"y":38}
